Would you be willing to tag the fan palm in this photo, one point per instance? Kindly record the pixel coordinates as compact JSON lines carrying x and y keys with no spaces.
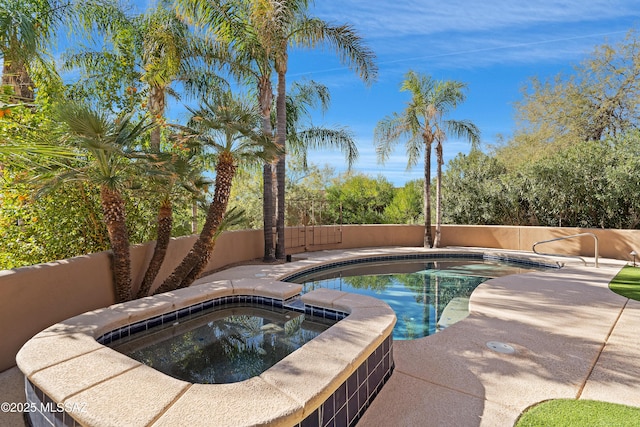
{"x":170,"y":173}
{"x":421,"y":124}
{"x":105,"y":158}
{"x":228,"y":131}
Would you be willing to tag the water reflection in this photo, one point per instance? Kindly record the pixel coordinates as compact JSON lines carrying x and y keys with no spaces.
{"x":224,"y":346}
{"x":427,"y":296}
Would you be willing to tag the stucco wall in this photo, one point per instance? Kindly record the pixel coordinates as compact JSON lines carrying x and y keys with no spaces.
{"x":33,"y":298}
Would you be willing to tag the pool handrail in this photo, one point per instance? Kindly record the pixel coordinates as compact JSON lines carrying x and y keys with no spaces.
{"x":595,"y":238}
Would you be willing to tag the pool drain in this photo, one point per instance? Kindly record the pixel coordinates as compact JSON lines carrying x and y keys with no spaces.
{"x":501,"y":347}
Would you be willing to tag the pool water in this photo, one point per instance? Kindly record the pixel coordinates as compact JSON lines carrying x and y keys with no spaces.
{"x":426,"y":295}
{"x":223,"y":345}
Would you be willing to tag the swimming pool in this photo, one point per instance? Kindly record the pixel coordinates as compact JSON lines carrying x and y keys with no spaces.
{"x":428,"y":295}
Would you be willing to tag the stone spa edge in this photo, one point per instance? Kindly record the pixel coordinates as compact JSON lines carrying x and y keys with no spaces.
{"x":72,"y":378}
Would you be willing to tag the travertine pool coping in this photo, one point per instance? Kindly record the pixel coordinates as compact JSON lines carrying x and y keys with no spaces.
{"x":105,"y":388}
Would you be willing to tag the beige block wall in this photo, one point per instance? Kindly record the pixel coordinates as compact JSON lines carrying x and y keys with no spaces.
{"x":33,"y":298}
{"x":615,"y":244}
{"x":36,"y":297}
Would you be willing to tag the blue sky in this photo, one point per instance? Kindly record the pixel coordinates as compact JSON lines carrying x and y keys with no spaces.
{"x":493,"y":46}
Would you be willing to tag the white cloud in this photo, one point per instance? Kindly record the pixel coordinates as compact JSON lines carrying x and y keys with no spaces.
{"x":385,"y":18}
{"x":460,"y":33}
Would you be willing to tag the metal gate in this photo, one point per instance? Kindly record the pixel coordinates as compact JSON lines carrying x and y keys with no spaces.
{"x":309,"y":223}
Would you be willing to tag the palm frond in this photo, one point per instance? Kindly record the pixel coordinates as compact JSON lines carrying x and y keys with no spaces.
{"x":340,"y":138}
{"x":464,"y":129}
{"x":387,"y":133}
{"x":233,"y":217}
{"x":344,"y":39}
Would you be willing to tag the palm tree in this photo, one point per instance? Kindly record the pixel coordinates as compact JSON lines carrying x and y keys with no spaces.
{"x":169,"y":172}
{"x":260,"y":32}
{"x":157,"y":49}
{"x":105,"y":158}
{"x":286,"y":23}
{"x":229,"y":130}
{"x":302,"y":135}
{"x":26,"y":27}
{"x":235,"y":23}
{"x":422,"y":123}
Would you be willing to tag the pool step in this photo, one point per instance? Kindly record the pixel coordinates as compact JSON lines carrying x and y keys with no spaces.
{"x":295,"y":304}
{"x":455,"y":311}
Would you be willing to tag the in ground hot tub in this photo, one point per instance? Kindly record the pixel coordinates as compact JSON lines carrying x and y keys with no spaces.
{"x":225,"y":344}
{"x":72,"y":377}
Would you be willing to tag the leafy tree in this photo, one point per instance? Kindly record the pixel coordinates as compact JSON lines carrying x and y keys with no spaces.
{"x":594,"y":185}
{"x":406,"y":205}
{"x":421,"y":124}
{"x":306,"y":203}
{"x":358,"y":199}
{"x":306,"y":189}
{"x":65,"y":223}
{"x":477,"y":190}
{"x":598,"y":100}
{"x":591,"y":184}
{"x":623,"y":176}
{"x":246,"y":194}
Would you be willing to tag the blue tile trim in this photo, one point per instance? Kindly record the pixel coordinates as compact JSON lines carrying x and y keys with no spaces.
{"x":173,"y":316}
{"x":349,"y":402}
{"x":41,"y":410}
{"x":419,"y":256}
{"x":344,"y":407}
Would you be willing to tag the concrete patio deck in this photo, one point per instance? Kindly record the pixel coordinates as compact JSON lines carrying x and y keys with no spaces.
{"x":572,"y":336}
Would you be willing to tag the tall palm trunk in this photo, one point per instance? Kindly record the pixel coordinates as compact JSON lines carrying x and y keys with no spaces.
{"x":194,"y":216}
{"x":281,"y":137}
{"x":427,"y":192}
{"x":16,"y":76}
{"x":265,"y":98}
{"x":196,"y":260}
{"x":114,"y":217}
{"x":165,"y":225}
{"x":268,"y":212}
{"x":156,"y":106}
{"x":440,"y":161}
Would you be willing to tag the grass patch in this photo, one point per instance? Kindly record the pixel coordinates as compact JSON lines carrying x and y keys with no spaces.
{"x":627,"y":282}
{"x":579,"y":413}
